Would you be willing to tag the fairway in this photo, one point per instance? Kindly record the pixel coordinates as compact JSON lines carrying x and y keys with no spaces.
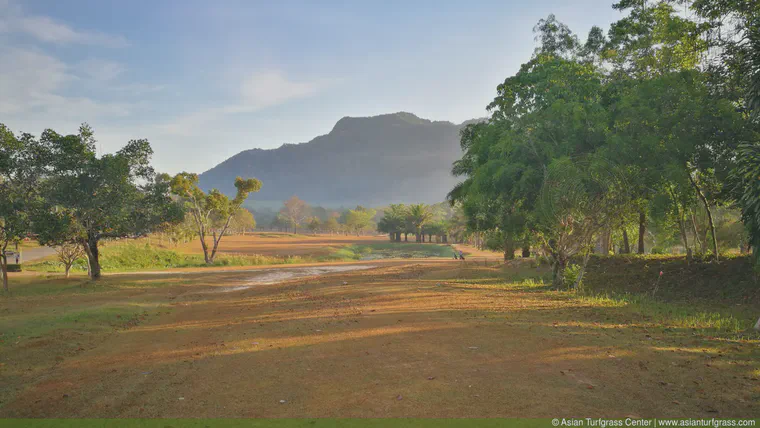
{"x":285,"y":244}
{"x":434,"y":338}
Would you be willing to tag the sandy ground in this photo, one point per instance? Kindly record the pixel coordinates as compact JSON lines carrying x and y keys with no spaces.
{"x":404,"y":339}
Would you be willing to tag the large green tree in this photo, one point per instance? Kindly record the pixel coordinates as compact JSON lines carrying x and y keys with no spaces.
{"x":21,"y":168}
{"x":90,"y":198}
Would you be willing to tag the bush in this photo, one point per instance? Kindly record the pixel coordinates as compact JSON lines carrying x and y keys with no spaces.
{"x":14,"y":268}
{"x":571,"y":274}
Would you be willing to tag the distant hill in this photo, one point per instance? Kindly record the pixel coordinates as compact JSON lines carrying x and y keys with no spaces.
{"x":372,"y":161}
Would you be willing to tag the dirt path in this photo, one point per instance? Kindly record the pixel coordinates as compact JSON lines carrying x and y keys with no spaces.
{"x":30,"y":254}
{"x":401,"y":340}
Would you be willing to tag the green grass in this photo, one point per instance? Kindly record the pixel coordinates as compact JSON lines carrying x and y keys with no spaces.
{"x":81,"y":320}
{"x":694,"y":299}
{"x":723,"y":321}
{"x":130,"y":256}
{"x":389,"y":250}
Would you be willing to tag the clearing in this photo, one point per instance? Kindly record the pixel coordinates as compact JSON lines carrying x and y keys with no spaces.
{"x":416,"y":338}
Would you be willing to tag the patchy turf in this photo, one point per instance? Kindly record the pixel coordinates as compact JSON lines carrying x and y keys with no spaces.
{"x":426,"y":339}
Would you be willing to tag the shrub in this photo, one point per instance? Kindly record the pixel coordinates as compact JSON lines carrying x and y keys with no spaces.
{"x":571,"y":274}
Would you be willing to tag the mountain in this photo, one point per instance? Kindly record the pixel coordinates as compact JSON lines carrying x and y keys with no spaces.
{"x":372,"y":161}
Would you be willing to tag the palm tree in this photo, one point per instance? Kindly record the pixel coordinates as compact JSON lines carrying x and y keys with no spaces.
{"x":418,"y":215}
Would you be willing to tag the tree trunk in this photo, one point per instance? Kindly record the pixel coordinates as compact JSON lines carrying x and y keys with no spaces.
{"x":642,"y":230}
{"x":526,"y":252}
{"x":709,"y":216}
{"x":604,"y":242}
{"x":558,"y":273}
{"x":445,"y":239}
{"x":509,"y":249}
{"x":406,"y":236}
{"x":699,"y":242}
{"x":94,"y":256}
{"x":626,"y":243}
{"x":4,"y":269}
{"x":87,"y":257}
{"x":67,"y":268}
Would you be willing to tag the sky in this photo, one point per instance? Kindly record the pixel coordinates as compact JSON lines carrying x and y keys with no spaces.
{"x":203,"y":80}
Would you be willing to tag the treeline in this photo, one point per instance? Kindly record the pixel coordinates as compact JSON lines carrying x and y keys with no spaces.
{"x":420,"y":220}
{"x":593,"y":144}
{"x":427,"y":223}
{"x":57,"y":190}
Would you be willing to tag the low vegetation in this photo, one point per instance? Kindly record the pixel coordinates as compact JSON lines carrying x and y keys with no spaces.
{"x":389,"y":250}
{"x":127,"y":256}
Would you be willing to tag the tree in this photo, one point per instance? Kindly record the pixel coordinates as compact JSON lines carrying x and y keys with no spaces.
{"x":732,"y":27}
{"x":242,"y":221}
{"x":746,"y":188}
{"x":419,"y":215}
{"x":359,"y":219}
{"x":211,"y":209}
{"x":314,"y":225}
{"x":177,"y":232}
{"x":93,"y":198}
{"x":332,"y":225}
{"x":393,"y":221}
{"x":21,"y":163}
{"x":68,"y":253}
{"x":295,"y":211}
{"x":578,"y":199}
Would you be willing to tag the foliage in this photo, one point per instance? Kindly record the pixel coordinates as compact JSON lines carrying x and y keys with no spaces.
{"x":588,"y":141}
{"x":87,"y":198}
{"x":294,"y":212}
{"x":21,"y":167}
{"x":213,"y":211}
{"x":359,"y":219}
{"x":68,"y":253}
{"x":242,"y":221}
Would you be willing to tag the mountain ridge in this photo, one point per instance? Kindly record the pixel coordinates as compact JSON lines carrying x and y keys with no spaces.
{"x":389,"y":158}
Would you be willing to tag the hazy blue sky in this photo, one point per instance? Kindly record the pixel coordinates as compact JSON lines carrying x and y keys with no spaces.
{"x":203,"y":80}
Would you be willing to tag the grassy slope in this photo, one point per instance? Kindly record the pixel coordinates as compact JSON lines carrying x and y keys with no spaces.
{"x":126,"y":256}
{"x":724,"y":295}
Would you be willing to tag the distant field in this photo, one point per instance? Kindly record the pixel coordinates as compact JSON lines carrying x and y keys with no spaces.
{"x":284,"y":244}
{"x":247,"y":250}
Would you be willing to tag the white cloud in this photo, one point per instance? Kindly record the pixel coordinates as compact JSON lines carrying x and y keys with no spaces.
{"x":257,"y":91}
{"x":100,"y":70}
{"x":34,"y":82}
{"x":270,"y":88}
{"x":45,"y":29}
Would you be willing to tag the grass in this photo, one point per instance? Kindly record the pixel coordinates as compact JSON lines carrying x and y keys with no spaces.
{"x":136,"y":256}
{"x":714,"y":298}
{"x":389,"y":250}
{"x":79,"y":320}
{"x":130,"y":256}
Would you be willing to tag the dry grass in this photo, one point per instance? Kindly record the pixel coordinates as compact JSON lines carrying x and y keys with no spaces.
{"x":283,"y":244}
{"x":429,"y":339}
